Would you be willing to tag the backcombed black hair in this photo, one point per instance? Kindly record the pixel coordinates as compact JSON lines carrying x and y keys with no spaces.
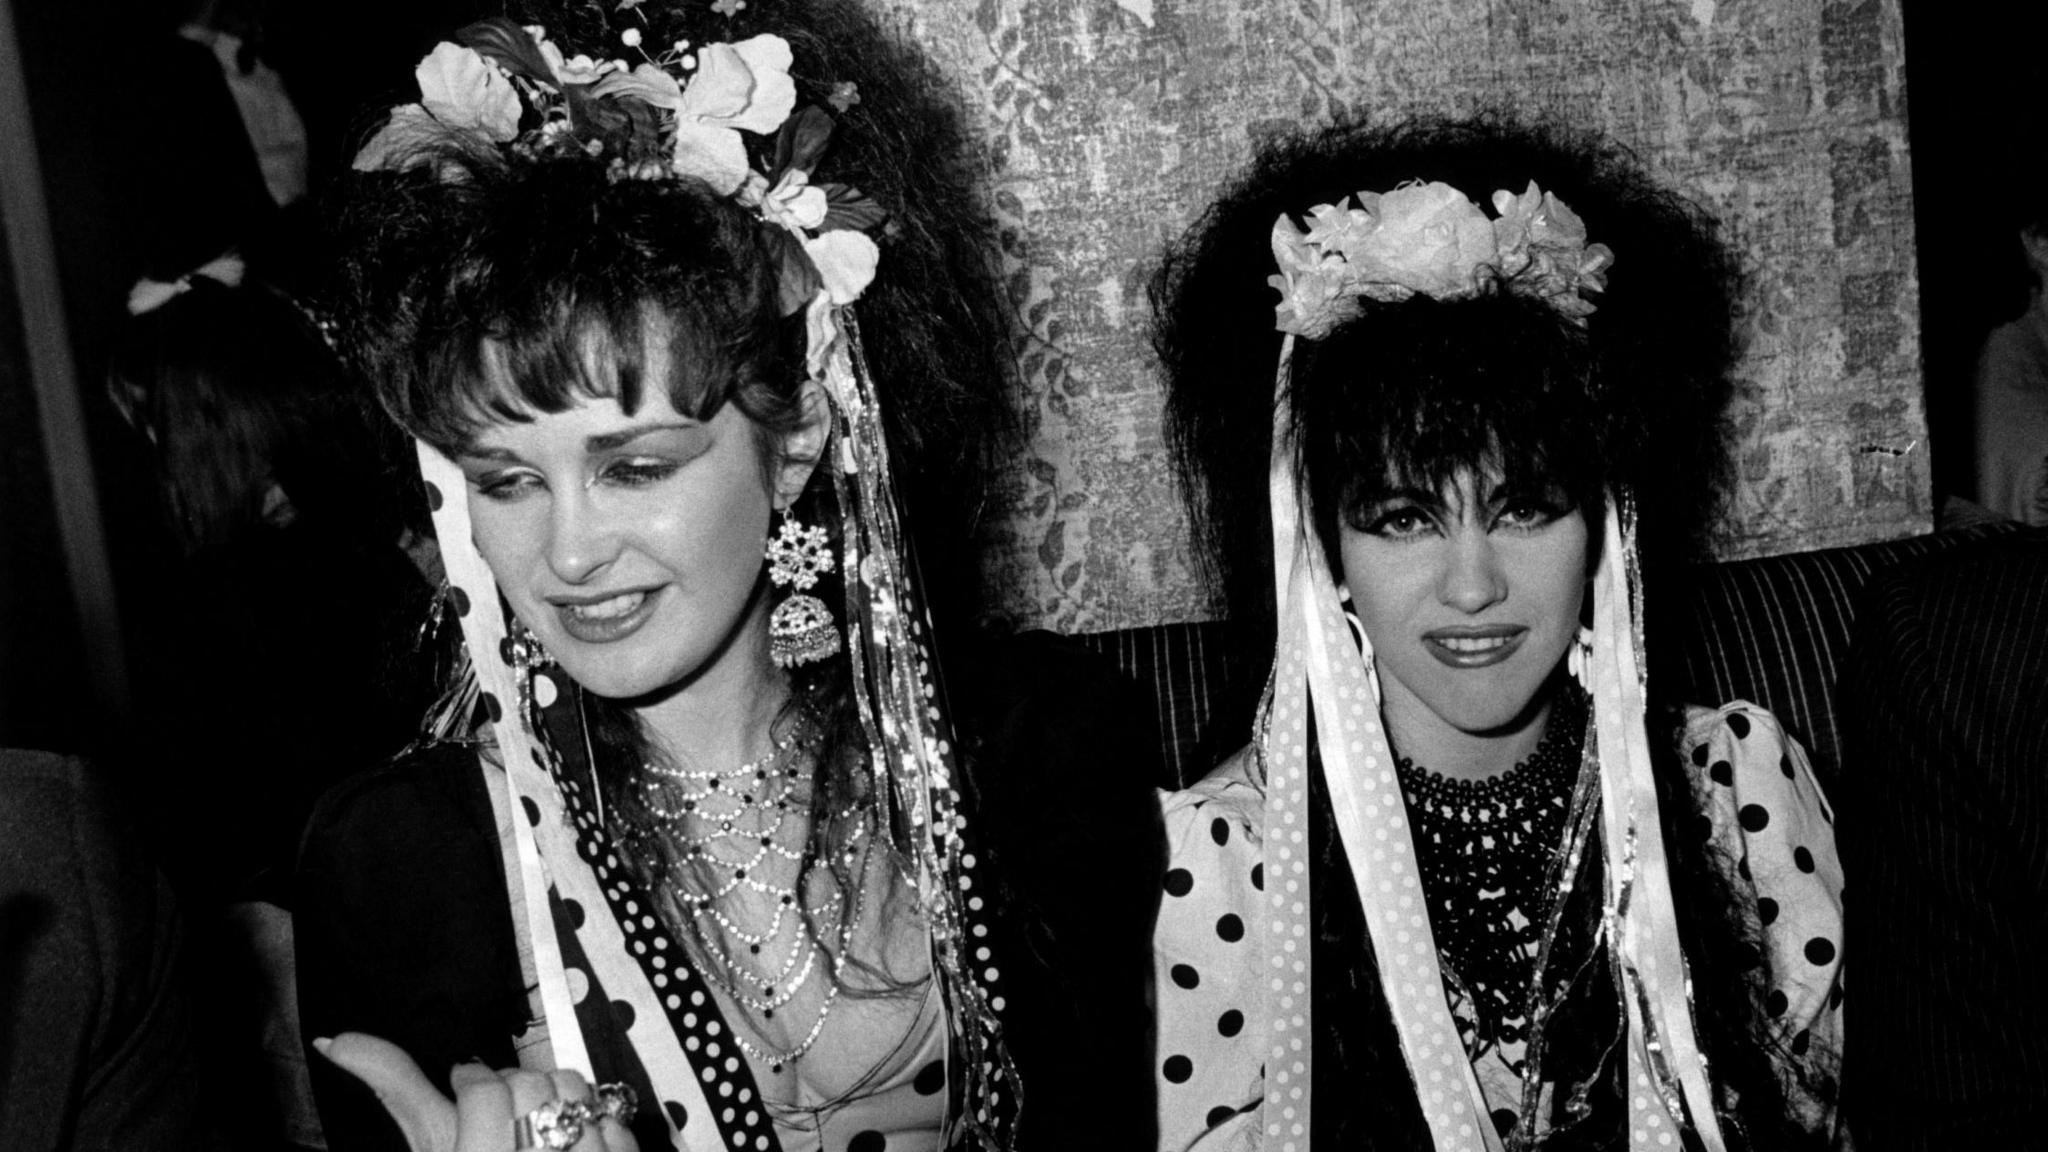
{"x":1410,"y":393}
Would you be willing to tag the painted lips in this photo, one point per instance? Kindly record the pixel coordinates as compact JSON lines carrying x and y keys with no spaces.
{"x":1474,"y":647}
{"x":608,"y":619}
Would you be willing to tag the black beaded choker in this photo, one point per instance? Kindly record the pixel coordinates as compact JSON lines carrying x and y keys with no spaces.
{"x":1485,"y":848}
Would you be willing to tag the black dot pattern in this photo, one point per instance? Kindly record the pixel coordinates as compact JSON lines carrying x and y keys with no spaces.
{"x":722,"y":1072}
{"x":692,"y":1012}
{"x":1179,"y":882}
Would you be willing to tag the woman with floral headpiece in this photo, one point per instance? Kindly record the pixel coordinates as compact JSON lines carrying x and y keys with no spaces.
{"x":1467,"y":887}
{"x":700,"y":825}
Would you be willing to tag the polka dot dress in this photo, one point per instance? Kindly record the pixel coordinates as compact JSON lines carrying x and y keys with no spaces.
{"x":1766,"y":813}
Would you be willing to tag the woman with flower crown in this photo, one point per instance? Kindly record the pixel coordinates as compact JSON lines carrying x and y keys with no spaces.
{"x":700,"y":824}
{"x":1469,"y":887}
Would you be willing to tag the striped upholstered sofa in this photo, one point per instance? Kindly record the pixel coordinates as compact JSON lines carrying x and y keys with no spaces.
{"x":1772,"y":631}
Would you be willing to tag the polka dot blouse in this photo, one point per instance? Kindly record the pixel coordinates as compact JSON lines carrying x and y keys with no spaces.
{"x":1768,"y":817}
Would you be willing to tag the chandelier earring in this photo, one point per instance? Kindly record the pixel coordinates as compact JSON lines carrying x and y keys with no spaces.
{"x":801,"y":629}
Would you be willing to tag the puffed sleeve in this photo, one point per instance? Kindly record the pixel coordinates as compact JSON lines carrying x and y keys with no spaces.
{"x":1211,"y":1009}
{"x":1771,"y":818}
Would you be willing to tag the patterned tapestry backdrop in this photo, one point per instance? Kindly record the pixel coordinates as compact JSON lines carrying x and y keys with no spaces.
{"x":1112,"y":121}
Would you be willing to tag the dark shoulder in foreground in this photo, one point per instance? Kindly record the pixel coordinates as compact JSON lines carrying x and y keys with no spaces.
{"x":100,"y":1049}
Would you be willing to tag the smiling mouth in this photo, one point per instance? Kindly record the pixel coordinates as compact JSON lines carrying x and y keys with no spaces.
{"x":1473,"y":643}
{"x":610,"y":609}
{"x":611,"y":618}
{"x":1478,"y":648}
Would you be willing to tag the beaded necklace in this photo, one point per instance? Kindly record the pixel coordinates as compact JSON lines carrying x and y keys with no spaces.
{"x":730,"y":822}
{"x":1486,"y":849}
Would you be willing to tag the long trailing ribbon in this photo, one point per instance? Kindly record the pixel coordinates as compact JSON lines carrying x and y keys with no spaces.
{"x":1317,"y":673}
{"x":899,"y":700}
{"x":1666,"y":1070}
{"x":544,"y":851}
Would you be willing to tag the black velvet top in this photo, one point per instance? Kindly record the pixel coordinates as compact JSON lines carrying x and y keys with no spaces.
{"x":404,"y":928}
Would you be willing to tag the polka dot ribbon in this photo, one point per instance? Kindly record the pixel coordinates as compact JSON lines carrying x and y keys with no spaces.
{"x":525,"y":787}
{"x":1319,"y":676}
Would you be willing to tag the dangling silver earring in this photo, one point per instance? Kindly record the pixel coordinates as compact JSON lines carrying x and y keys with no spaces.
{"x":1351,"y":618}
{"x":1578,"y":658}
{"x":523,"y":651}
{"x":1358,"y":637}
{"x":801,"y":629}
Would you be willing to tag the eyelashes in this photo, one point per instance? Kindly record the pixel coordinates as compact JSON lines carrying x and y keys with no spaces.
{"x":1400,"y":518}
{"x":633,"y":472}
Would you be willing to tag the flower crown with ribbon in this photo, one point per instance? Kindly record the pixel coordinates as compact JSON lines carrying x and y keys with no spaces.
{"x":674,"y":115}
{"x":1429,"y":239}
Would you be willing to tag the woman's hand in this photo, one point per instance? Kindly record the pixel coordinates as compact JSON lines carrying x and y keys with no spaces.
{"x":488,"y":1105}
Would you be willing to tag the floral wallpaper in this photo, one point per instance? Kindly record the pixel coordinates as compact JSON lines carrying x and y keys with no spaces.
{"x":1110,"y":122}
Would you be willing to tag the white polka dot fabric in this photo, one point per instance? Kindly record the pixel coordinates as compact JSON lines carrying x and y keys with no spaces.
{"x":1771,"y":820}
{"x":1782,"y":853}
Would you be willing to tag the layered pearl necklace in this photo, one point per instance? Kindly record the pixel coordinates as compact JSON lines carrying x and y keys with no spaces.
{"x":730,"y":824}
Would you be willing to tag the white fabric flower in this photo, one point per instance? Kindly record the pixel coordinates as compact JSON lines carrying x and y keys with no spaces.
{"x":792,"y":203}
{"x":1312,"y":282}
{"x":1428,"y":238}
{"x":461,"y":89}
{"x":846,"y":262}
{"x":737,"y":87}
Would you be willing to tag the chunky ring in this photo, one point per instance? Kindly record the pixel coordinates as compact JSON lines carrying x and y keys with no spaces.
{"x":617,"y":1101}
{"x":555,"y":1125}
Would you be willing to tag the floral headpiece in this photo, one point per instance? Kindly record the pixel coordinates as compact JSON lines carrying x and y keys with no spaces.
{"x":680,"y":115}
{"x":1430,"y":239}
{"x":675,"y":115}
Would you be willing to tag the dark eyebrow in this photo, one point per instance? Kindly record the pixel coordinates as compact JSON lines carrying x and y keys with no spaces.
{"x":602,"y":442}
{"x":1541,"y":489}
{"x":607,"y":441}
{"x":1411,"y":495}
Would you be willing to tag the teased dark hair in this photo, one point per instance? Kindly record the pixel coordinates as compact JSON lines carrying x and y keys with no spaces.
{"x":1411,"y":393}
{"x":545,"y":257}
